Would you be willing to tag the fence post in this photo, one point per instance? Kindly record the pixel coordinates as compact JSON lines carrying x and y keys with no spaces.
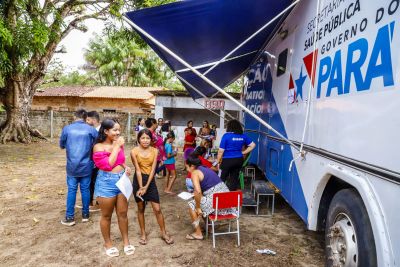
{"x":129,"y":127}
{"x":51,"y":124}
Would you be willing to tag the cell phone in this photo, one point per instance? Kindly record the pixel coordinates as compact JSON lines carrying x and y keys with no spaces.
{"x":215,"y":163}
{"x":140,"y":198}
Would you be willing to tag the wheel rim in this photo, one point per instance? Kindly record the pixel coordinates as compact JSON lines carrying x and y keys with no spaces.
{"x":342,"y":242}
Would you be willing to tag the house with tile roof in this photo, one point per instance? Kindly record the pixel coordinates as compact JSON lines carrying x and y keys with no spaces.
{"x":137,"y":100}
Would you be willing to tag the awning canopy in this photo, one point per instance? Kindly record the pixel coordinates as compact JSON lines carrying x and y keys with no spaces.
{"x":203,"y":32}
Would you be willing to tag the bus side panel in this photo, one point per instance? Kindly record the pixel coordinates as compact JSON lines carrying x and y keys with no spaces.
{"x":263,"y":153}
{"x":274,"y":157}
{"x":265,"y":115}
{"x":254,"y":93}
{"x":254,"y":159}
{"x":273,"y":164}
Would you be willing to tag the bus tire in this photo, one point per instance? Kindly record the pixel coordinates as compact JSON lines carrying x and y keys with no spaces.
{"x":349,"y":238}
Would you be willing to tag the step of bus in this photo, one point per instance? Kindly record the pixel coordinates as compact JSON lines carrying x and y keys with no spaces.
{"x":248,"y":199}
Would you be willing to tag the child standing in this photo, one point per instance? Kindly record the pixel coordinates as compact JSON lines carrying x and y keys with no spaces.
{"x":144,"y":158}
{"x":170,"y":163}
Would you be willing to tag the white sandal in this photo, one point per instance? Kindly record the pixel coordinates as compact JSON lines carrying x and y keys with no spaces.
{"x":112,"y":252}
{"x":129,"y":250}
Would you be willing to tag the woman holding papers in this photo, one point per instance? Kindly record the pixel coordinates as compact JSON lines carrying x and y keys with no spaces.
{"x":109,"y":157}
{"x":144,"y":158}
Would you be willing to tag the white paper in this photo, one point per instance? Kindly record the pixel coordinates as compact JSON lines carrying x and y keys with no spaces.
{"x":124,"y":184}
{"x":185,"y":195}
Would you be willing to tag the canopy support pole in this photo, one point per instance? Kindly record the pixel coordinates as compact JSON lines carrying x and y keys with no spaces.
{"x":249,"y":38}
{"x":252,"y":36}
{"x":211,"y":83}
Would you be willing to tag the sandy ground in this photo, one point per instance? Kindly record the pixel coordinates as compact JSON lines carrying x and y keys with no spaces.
{"x":32,"y":203}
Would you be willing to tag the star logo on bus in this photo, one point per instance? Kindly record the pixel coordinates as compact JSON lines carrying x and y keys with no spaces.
{"x":299,"y":84}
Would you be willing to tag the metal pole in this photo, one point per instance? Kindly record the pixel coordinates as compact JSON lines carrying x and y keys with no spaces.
{"x":252,"y":36}
{"x":51,"y":124}
{"x":221,"y":123}
{"x":311,"y":85}
{"x":129,"y":127}
{"x":215,"y":62}
{"x":211,"y":83}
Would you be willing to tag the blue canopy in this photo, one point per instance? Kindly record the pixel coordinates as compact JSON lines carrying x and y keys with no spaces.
{"x":202,"y":32}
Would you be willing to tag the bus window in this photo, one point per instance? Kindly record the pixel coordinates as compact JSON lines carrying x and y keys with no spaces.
{"x":282,"y":60}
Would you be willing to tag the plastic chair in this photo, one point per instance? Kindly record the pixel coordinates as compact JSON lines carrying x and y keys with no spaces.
{"x":225,"y":200}
{"x":241,"y":173}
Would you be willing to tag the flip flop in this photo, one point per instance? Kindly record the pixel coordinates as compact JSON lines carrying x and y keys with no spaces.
{"x":168,"y":241}
{"x":112,"y":252}
{"x":143,"y":241}
{"x":192,"y":237}
{"x":129,"y":250}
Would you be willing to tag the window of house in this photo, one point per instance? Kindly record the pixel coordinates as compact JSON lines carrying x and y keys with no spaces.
{"x":282,"y":60}
{"x":109,"y":110}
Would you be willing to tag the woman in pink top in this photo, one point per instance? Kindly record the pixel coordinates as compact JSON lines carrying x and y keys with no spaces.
{"x":109,"y":157}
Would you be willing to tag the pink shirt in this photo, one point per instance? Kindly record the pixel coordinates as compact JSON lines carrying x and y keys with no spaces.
{"x":159,"y":144}
{"x":101,"y":160}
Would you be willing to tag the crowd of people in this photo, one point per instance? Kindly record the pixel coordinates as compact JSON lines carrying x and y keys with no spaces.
{"x":96,"y":162}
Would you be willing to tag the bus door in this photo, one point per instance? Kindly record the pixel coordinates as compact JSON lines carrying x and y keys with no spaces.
{"x":277,"y":160}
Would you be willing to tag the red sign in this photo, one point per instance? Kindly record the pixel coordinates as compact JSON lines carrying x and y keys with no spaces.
{"x":214,"y":104}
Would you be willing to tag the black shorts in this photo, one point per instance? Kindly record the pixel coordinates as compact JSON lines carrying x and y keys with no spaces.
{"x":151,"y":193}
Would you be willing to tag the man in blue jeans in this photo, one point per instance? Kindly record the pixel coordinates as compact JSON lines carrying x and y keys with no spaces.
{"x":78,"y":139}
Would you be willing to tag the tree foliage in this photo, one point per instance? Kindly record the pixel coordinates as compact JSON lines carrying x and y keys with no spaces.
{"x":30,"y":31}
{"x":118,"y":59}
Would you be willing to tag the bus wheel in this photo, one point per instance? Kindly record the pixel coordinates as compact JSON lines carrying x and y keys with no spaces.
{"x":348,"y":234}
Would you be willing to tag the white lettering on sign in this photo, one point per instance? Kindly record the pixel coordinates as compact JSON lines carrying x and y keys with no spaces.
{"x":214,"y":104}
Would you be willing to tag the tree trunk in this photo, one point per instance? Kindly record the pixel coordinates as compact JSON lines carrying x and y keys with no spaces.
{"x":17,"y":102}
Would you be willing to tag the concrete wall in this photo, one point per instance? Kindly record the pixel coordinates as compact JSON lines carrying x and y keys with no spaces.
{"x":182,"y":109}
{"x":180,"y":116}
{"x":41,"y":121}
{"x":98,"y":104}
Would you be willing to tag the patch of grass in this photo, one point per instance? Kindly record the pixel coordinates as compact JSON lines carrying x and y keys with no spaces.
{"x":2,"y":108}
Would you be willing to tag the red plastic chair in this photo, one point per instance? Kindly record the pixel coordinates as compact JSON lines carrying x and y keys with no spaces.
{"x":221,"y":201}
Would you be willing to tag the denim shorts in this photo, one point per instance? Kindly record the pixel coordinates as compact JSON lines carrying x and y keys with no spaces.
{"x":189,"y":185}
{"x":105,"y":184}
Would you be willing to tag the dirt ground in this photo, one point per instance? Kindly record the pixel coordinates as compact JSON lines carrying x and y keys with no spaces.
{"x":32,"y":203}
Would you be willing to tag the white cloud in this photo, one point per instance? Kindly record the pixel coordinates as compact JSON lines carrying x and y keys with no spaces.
{"x":76,"y":42}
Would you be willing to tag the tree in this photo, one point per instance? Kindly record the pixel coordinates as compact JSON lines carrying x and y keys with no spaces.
{"x":120,"y":59}
{"x":30,"y":31}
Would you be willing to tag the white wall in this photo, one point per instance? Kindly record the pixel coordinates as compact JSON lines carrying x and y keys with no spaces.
{"x":180,"y":102}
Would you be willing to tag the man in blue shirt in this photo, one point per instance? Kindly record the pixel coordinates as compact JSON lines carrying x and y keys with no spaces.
{"x":78,"y":139}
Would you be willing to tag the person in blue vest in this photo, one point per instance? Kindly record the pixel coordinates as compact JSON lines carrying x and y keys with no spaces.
{"x":78,"y":139}
{"x":234,"y":147}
